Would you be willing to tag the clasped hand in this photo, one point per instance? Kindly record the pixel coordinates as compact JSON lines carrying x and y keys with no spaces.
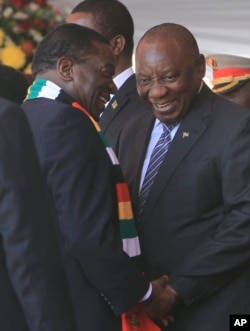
{"x":162,"y":301}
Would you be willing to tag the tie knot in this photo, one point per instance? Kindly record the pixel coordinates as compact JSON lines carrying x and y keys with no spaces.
{"x":169,"y":127}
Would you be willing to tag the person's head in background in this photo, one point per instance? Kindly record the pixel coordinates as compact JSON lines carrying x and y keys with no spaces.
{"x":80,"y":61}
{"x":231,"y":77}
{"x":112,"y":20}
{"x":13,"y":84}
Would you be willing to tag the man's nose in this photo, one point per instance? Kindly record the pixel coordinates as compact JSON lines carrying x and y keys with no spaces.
{"x":157,"y":90}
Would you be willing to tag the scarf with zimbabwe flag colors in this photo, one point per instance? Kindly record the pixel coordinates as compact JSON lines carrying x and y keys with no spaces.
{"x":134,"y":320}
{"x":47,"y":89}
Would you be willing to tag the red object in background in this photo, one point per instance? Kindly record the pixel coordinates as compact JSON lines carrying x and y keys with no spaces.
{"x":19,"y":3}
{"x":26,"y":24}
{"x":41,"y":3}
{"x":28,"y":47}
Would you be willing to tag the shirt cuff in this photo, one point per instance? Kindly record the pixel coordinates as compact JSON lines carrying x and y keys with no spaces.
{"x":148,"y":293}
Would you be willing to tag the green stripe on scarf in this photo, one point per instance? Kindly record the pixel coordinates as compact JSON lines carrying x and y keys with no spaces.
{"x":127,"y":229}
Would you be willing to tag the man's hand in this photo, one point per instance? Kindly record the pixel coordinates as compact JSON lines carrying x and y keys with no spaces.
{"x":161,"y":302}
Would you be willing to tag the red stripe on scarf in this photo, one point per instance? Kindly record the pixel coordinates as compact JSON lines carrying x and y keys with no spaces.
{"x":122,"y":192}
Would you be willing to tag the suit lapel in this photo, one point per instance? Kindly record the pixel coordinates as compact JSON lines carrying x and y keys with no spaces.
{"x":117,"y":102}
{"x":189,"y":132}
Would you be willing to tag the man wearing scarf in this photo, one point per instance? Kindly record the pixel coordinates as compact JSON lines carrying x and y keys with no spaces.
{"x":73,"y":69}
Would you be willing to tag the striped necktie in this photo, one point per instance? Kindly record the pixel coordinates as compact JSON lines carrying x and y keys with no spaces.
{"x":155,"y":162}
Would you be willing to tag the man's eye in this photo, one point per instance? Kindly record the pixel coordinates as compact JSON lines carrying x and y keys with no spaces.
{"x":169,"y":78}
{"x":144,"y":81}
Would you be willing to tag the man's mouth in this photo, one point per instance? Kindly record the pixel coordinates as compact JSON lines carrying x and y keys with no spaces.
{"x":165,"y":106}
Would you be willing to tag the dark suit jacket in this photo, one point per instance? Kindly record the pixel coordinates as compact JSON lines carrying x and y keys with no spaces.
{"x":127,"y":105}
{"x":80,"y":183}
{"x":195,"y":226}
{"x":34,"y":293}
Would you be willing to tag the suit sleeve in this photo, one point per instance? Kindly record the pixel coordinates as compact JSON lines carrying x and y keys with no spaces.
{"x":80,"y":179}
{"x":226,"y":252}
{"x":29,"y":242}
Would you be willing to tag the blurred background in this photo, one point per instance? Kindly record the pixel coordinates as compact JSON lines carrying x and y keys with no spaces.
{"x":219,"y":25}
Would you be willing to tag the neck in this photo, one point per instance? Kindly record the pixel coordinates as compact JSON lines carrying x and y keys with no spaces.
{"x":122,"y":64}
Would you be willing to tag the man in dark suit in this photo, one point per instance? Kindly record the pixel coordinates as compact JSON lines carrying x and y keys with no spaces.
{"x":33,"y":285}
{"x":113,"y":20}
{"x":13,"y":84}
{"x":194,"y":224}
{"x":73,"y":67}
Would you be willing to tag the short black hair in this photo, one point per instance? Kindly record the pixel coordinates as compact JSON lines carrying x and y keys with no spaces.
{"x":111,"y":18}
{"x":70,"y":40}
{"x":13,"y":84}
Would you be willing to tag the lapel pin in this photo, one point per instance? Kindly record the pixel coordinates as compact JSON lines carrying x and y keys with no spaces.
{"x":185,"y":134}
{"x":114,"y":104}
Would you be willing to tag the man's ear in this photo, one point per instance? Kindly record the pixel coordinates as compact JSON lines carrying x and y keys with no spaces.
{"x":201,"y":65}
{"x":117,"y":44}
{"x":65,"y":68}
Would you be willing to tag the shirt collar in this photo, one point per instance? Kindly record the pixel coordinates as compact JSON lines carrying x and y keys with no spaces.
{"x":200,"y":86}
{"x":122,"y":77}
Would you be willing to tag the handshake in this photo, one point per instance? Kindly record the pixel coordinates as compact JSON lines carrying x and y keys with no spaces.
{"x":162,"y":301}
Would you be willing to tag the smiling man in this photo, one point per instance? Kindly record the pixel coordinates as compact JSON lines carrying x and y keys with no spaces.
{"x":192,"y":194}
{"x":73,"y":68}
